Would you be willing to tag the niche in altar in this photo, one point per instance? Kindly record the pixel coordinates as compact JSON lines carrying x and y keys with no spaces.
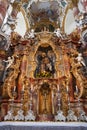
{"x":45,"y":79}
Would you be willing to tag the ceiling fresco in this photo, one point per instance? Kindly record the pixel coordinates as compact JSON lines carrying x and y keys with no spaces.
{"x":45,"y":11}
{"x":28,"y":14}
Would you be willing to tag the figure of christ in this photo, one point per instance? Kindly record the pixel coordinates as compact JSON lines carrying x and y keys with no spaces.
{"x":45,"y":100}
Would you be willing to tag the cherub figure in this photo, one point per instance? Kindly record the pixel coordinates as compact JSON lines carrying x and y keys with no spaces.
{"x":11,"y":1}
{"x":80,"y":59}
{"x":62,"y":3}
{"x":31,"y":34}
{"x":58,"y":32}
{"x":9,"y":62}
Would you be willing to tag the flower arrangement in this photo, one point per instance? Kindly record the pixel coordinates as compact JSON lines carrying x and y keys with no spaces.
{"x":43,"y":74}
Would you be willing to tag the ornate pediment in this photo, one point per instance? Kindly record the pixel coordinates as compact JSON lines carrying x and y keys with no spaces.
{"x":44,"y":37}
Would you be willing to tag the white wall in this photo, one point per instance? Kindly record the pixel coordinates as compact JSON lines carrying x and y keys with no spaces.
{"x":70,"y":24}
{"x":21,"y":25}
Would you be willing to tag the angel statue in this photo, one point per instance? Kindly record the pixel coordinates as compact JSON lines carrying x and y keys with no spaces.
{"x":80,"y":59}
{"x":11,"y":1}
{"x":9,"y":62}
{"x":62,"y":3}
{"x":31,"y":34}
{"x":57,"y":32}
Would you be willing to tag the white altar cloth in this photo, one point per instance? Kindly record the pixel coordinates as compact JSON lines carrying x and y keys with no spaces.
{"x":20,"y":123}
{"x":43,"y":126}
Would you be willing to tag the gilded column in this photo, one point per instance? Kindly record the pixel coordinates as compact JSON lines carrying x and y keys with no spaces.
{"x":22,"y":75}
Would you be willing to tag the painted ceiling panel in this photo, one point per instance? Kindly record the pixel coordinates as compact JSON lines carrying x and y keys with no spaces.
{"x":35,"y":14}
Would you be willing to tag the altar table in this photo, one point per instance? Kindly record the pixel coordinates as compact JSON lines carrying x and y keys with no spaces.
{"x":43,"y":125}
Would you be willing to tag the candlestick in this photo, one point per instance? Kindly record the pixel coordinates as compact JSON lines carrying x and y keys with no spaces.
{"x":14,"y":88}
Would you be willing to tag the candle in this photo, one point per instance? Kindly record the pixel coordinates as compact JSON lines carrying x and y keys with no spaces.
{"x":31,"y":98}
{"x":14,"y":88}
{"x":31,"y":87}
{"x":45,"y":95}
{"x":67,"y":88}
{"x":58,"y":88}
{"x":76,"y":89}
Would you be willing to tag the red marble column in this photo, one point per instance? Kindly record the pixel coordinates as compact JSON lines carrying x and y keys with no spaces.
{"x":3,"y":9}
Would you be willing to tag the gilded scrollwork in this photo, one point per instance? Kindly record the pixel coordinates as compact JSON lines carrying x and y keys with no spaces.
{"x":50,"y":63}
{"x":76,"y":70}
{"x":10,"y":80}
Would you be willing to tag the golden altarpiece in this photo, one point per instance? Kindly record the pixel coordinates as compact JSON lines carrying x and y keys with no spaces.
{"x":42,"y":67}
{"x":46,"y":70}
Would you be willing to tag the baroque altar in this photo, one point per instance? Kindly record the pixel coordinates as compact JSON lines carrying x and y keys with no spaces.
{"x":44,"y":79}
